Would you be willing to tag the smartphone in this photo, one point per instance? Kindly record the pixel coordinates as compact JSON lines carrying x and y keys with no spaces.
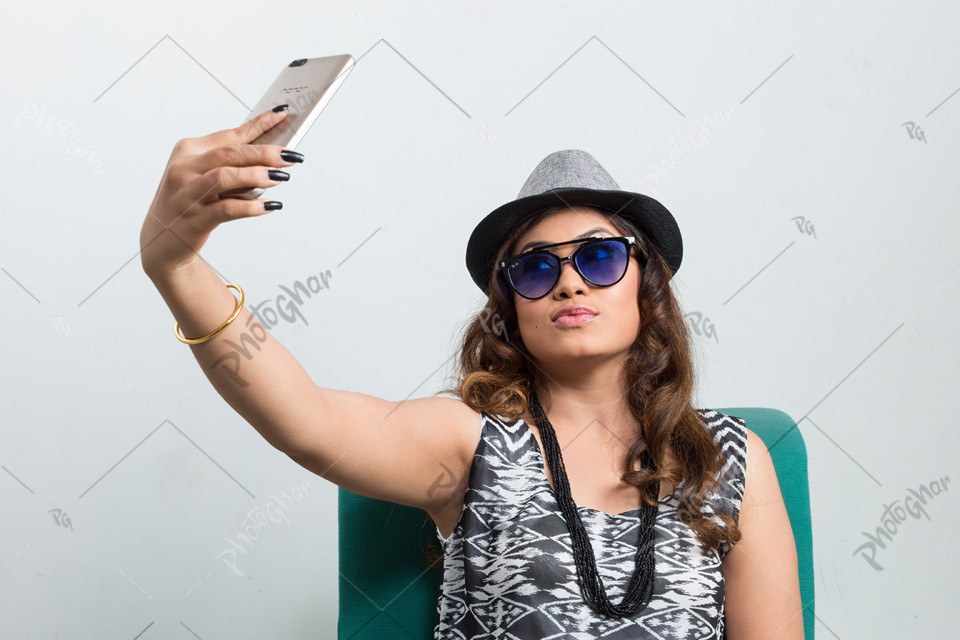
{"x":306,"y":84}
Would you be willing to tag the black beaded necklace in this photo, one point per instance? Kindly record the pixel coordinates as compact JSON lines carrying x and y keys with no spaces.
{"x":640,"y":588}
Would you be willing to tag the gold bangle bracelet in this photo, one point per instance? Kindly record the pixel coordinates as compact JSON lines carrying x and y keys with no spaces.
{"x":204,"y":338}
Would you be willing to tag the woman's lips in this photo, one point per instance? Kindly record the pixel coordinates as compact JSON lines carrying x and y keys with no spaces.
{"x":575,"y":319}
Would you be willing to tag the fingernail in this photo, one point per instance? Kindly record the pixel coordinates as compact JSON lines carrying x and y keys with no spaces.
{"x":291,"y":156}
{"x":280,"y":107}
{"x":272,"y":205}
{"x":274,"y":174}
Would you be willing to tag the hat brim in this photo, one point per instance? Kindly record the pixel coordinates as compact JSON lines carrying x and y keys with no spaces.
{"x":648,"y":214}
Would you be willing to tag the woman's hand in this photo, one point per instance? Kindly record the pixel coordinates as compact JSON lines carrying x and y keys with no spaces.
{"x":188,"y":206}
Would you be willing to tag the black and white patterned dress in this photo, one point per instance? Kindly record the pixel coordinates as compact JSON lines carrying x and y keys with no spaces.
{"x":509,"y":570}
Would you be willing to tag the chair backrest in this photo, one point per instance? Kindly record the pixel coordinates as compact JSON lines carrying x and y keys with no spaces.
{"x":387,"y":591}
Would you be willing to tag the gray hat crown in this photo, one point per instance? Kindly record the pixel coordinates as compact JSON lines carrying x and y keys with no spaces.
{"x":567,"y":168}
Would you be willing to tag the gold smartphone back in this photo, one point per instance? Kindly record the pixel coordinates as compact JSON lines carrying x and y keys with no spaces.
{"x":307,"y":85}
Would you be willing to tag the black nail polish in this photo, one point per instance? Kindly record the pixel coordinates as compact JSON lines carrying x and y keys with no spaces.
{"x":291,"y":156}
{"x":272,"y":205}
{"x":274,"y":174}
{"x":280,"y":107}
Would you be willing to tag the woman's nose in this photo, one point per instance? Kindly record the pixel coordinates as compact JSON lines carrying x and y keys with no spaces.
{"x":577,"y":281}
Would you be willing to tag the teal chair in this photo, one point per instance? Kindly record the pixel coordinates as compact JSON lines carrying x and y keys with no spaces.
{"x":388,"y":592}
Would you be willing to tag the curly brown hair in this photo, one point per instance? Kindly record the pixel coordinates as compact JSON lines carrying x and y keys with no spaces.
{"x":495,"y":376}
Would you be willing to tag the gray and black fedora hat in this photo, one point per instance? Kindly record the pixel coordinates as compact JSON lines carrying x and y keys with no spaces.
{"x":571,"y":177}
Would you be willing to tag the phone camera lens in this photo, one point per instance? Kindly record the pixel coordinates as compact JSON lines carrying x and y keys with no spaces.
{"x":299,"y":62}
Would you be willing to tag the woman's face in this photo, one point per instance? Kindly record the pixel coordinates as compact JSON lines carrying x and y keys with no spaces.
{"x":616,"y":323}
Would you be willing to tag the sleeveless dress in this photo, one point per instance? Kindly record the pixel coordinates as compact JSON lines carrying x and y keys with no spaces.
{"x":509,"y":570}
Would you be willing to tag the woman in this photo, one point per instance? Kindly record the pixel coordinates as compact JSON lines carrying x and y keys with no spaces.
{"x":590,"y":499}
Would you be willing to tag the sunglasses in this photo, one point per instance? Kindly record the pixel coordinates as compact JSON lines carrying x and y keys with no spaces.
{"x":600,"y":261}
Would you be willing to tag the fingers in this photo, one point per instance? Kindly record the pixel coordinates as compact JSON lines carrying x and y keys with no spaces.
{"x":209,"y":186}
{"x":255,"y":127}
{"x":251,"y":129}
{"x":226,"y":160}
{"x":238,"y":154}
{"x":233,"y":208}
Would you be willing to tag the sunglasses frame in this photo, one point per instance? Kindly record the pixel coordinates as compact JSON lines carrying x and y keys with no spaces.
{"x":628,"y":241}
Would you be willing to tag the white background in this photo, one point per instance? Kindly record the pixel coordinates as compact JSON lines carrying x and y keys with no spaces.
{"x":123,"y":471}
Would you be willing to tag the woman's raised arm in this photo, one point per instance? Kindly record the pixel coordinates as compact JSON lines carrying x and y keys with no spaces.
{"x":415,"y":452}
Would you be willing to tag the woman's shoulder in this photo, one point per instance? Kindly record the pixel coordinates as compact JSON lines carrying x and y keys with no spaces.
{"x":733,"y":436}
{"x":727,"y":430}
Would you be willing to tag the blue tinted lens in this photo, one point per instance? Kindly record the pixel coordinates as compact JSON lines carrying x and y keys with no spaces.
{"x":533,"y":275}
{"x":603,"y":263}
